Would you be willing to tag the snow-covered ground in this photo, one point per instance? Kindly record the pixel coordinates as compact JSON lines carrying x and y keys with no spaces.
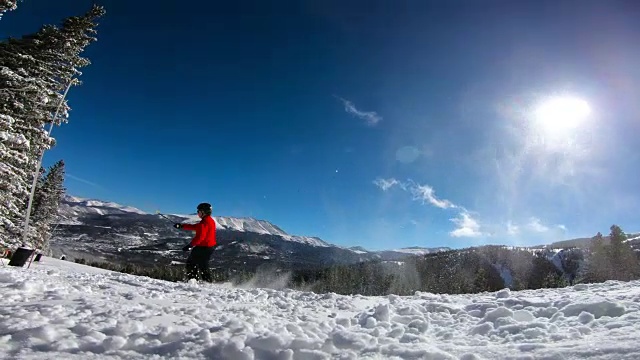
{"x":62,"y":310}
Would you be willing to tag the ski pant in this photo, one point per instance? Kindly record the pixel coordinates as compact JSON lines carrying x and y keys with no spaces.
{"x":198,"y":263}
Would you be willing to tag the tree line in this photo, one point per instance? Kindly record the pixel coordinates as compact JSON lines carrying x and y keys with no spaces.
{"x":36,"y":71}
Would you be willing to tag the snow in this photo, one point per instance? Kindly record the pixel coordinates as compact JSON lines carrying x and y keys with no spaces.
{"x":72,"y":208}
{"x":632,"y":238}
{"x":419,"y":250}
{"x":313,"y":241}
{"x":62,"y":310}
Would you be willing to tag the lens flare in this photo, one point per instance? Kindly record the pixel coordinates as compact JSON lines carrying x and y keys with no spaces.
{"x":561,"y":115}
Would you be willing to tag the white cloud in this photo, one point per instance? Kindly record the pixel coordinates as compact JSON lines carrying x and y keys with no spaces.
{"x":426,"y":193}
{"x":512,"y":229}
{"x":533,"y":226}
{"x":466,"y":226}
{"x":371,"y":117}
{"x":536,"y":225}
{"x":385,"y":184}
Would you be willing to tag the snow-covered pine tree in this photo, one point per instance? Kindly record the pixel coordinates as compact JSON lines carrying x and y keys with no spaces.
{"x":23,"y":110}
{"x":34,"y":72}
{"x":7,"y":5}
{"x":20,"y":94}
{"x":46,"y":201}
{"x":13,"y":160}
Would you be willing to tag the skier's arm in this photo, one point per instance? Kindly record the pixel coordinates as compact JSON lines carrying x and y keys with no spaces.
{"x":199,"y":229}
{"x":192,"y":227}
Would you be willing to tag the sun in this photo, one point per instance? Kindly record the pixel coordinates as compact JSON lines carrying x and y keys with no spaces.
{"x":562,"y":114}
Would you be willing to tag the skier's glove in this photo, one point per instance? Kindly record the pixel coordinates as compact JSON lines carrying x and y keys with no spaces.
{"x":186,"y":248}
{"x":177,"y":226}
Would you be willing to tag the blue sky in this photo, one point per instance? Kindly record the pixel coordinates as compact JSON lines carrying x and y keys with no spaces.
{"x":370,"y":123}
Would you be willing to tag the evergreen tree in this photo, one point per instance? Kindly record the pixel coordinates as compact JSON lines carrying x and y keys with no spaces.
{"x":543,"y":273}
{"x":597,"y":263}
{"x":20,"y":108}
{"x":623,"y":260}
{"x":46,"y":202}
{"x":13,"y":161}
{"x":571,"y":263}
{"x":34,"y":73}
{"x":7,"y":5}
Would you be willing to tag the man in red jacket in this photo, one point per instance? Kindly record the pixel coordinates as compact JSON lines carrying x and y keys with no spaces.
{"x":202,"y":245}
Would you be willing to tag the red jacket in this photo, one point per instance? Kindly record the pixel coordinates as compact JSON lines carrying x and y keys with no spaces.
{"x":205,"y":232}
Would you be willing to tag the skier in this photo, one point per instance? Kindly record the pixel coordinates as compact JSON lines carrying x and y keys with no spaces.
{"x":202,"y":245}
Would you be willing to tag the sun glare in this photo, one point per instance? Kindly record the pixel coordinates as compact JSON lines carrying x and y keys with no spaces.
{"x":561,"y":114}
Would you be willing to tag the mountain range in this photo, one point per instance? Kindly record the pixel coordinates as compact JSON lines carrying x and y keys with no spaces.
{"x":106,"y":231}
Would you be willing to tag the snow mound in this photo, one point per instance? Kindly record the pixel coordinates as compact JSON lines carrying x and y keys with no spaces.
{"x":62,"y":310}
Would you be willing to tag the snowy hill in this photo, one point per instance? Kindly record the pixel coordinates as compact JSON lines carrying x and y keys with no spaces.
{"x":62,"y":310}
{"x":107,"y":231}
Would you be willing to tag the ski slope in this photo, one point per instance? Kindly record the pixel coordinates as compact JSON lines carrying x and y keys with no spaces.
{"x":62,"y":310}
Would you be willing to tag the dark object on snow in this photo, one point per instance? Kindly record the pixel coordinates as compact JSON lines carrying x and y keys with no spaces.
{"x":63,"y":257}
{"x":21,"y":256}
{"x":198,"y":263}
{"x":38,"y":257}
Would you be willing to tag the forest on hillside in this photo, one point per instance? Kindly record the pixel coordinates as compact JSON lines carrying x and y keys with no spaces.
{"x":471,"y":270}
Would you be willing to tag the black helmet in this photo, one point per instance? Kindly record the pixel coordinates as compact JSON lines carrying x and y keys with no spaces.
{"x":205,"y":208}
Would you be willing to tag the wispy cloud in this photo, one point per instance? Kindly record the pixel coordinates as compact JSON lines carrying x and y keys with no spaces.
{"x":371,"y":117}
{"x":83,"y":181}
{"x":466,"y":224}
{"x":425,"y":193}
{"x":385,"y":184}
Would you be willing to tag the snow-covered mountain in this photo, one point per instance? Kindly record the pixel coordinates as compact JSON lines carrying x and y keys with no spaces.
{"x":104,"y":230}
{"x":248,"y":224}
{"x":73,"y":208}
